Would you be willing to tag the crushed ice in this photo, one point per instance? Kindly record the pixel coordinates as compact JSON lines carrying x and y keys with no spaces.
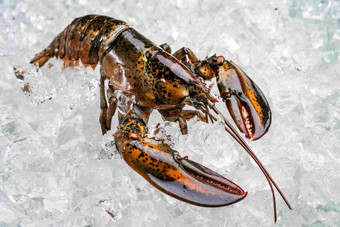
{"x":57,"y":169}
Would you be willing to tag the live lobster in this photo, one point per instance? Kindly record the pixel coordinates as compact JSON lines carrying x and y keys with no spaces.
{"x":152,"y":79}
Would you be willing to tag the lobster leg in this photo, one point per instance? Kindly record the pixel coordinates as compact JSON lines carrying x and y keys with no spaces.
{"x":163,"y":167}
{"x":190,"y":114}
{"x":103,"y":103}
{"x":107,"y":111}
{"x":175,"y":115}
{"x":182,"y":116}
{"x":187,"y":57}
{"x":112,"y":99}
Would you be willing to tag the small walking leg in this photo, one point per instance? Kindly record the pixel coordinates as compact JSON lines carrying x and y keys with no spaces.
{"x":103,"y":103}
{"x":182,"y":116}
{"x":112,"y":106}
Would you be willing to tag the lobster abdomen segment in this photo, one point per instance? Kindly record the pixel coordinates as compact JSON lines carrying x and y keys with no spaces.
{"x":86,"y":38}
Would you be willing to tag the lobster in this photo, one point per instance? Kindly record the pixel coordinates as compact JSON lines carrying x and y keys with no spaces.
{"x":152,"y":79}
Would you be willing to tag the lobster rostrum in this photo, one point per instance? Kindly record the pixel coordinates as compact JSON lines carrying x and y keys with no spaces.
{"x":152,"y":78}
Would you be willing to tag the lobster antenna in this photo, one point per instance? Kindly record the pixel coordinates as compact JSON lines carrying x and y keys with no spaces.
{"x":239,"y":139}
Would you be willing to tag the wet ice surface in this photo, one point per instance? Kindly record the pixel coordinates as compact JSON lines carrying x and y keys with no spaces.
{"x":56,"y":166}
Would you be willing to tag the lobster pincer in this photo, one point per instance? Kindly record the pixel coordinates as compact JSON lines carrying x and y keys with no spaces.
{"x":245,"y":101}
{"x":167,"y":171}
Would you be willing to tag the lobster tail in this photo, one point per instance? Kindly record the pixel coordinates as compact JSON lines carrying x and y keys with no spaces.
{"x":85,"y":39}
{"x":42,"y":57}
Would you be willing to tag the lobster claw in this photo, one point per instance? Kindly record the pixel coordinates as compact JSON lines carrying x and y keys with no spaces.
{"x":245,"y":101}
{"x":178,"y":177}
